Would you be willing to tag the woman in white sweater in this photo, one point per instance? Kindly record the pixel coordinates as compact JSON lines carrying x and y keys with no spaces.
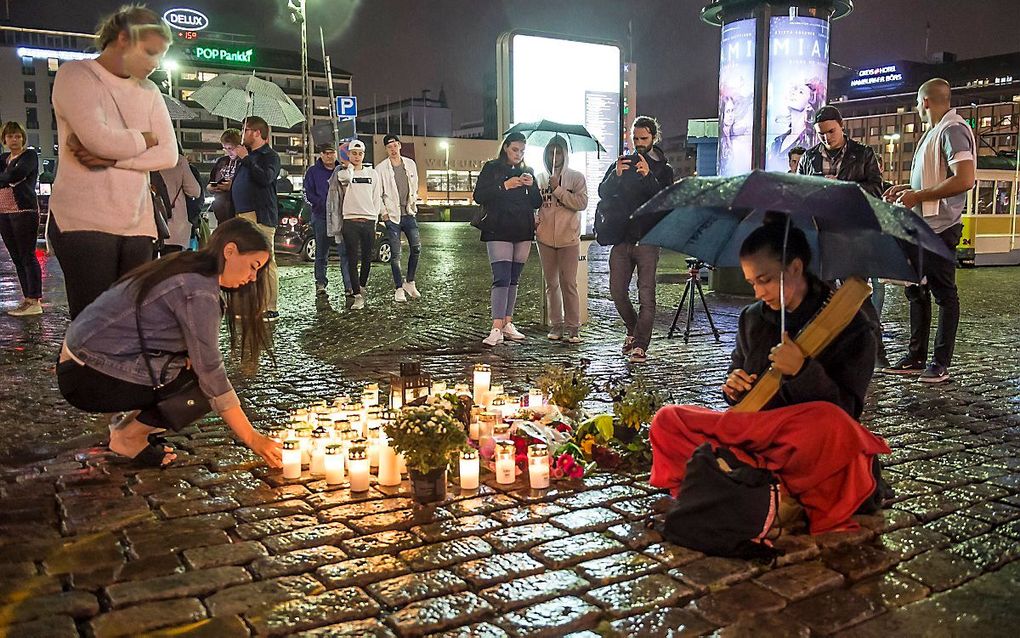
{"x":112,"y":129}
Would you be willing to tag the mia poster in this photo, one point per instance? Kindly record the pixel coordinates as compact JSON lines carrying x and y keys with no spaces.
{"x":798,"y":75}
{"x":736,"y":97}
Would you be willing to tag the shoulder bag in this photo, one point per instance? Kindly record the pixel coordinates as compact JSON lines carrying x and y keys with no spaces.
{"x":185,"y":402}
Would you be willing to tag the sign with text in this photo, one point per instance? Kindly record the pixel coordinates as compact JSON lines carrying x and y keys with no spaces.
{"x":736,"y":97}
{"x":346,"y":106}
{"x":222,"y":55}
{"x":186,"y":19}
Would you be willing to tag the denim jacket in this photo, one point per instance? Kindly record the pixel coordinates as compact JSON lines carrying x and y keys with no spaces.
{"x":180,"y":317}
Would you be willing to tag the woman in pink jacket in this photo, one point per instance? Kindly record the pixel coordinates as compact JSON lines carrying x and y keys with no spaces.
{"x":564,"y":196}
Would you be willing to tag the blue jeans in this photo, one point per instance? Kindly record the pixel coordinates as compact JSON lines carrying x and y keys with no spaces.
{"x":409,"y":226}
{"x":322,"y":244}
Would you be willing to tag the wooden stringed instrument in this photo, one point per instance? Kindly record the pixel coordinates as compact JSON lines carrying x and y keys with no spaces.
{"x":832,"y":319}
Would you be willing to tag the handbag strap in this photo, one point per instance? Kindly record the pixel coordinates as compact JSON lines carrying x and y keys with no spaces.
{"x":145,"y":350}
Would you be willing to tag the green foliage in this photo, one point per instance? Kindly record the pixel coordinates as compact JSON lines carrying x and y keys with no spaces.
{"x":635,"y":403}
{"x":428,"y":435}
{"x":566,"y":387}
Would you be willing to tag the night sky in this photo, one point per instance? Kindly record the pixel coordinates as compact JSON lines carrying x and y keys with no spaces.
{"x":399,"y":47}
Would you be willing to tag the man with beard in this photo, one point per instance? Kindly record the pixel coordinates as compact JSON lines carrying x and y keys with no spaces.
{"x":634,"y":179}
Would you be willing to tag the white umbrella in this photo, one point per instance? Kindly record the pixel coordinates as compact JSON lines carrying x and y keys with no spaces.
{"x":237,"y":97}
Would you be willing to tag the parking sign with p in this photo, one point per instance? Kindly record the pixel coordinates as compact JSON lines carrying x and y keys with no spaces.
{"x":346,"y":106}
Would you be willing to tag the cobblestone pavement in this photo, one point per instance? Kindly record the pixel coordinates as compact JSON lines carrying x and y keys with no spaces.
{"x":218,"y":546}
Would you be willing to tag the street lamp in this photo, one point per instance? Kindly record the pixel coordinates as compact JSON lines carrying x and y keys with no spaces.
{"x":169,"y":66}
{"x":446,"y":147}
{"x":891,"y":143}
{"x":299,"y":16}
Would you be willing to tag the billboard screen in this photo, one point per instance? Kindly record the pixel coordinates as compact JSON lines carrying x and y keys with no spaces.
{"x":736,"y":97}
{"x":798,"y":75}
{"x":571,"y":82}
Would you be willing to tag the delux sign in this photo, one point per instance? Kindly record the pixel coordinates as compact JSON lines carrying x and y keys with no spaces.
{"x":186,"y":19}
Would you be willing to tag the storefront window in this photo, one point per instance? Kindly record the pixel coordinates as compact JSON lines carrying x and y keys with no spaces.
{"x":1002,"y":198}
{"x":460,"y":181}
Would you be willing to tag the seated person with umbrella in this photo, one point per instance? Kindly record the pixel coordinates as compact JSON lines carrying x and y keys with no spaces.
{"x":808,"y":433}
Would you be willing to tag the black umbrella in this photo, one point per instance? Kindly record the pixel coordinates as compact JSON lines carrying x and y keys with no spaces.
{"x":539,"y":133}
{"x":852,"y":233}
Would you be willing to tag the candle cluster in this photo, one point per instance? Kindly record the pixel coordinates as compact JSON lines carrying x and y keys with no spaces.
{"x":341,"y":442}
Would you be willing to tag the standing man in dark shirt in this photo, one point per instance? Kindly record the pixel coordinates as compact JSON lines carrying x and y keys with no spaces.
{"x":635,"y":179}
{"x":254,"y":194}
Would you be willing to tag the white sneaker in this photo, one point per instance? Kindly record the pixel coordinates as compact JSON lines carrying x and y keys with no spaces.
{"x":495,"y":337}
{"x":398,"y":295}
{"x":411,"y":290}
{"x":359,"y":302}
{"x":27,"y":309}
{"x":511,"y":332}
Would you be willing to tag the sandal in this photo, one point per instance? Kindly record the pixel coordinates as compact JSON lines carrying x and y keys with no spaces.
{"x":153,"y":455}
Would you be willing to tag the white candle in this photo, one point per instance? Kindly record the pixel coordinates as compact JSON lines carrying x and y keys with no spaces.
{"x":469,"y":470}
{"x":320,"y":439}
{"x":486,"y":424}
{"x":482,"y":381}
{"x":505,"y":465}
{"x":334,"y":464}
{"x":501,"y":431}
{"x":356,"y":423}
{"x":304,"y":439}
{"x":374,"y":443}
{"x":278,"y":435}
{"x":496,"y":389}
{"x":389,"y":473}
{"x":439,"y":387}
{"x":370,"y":396}
{"x":535,"y":398}
{"x":357,"y":465}
{"x":538,"y":466}
{"x":473,"y":430}
{"x":291,"y":460}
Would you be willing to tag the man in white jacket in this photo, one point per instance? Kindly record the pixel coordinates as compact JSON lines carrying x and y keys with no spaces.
{"x":399,"y":178}
{"x":362,"y":205}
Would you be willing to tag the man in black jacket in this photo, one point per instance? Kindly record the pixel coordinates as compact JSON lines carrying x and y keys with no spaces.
{"x":253,"y":191}
{"x":839,"y":157}
{"x":635,"y":179}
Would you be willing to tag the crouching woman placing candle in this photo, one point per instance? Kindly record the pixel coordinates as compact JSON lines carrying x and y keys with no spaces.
{"x":149,"y":346}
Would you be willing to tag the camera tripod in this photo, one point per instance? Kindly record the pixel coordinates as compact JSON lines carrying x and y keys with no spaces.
{"x":692,"y":290}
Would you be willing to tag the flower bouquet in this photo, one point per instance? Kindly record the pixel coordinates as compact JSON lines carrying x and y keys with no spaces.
{"x":429,"y":435}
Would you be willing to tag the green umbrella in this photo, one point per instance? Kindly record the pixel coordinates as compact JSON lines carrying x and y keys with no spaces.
{"x":237,"y":97}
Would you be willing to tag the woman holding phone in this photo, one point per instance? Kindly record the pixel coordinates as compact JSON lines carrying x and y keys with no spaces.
{"x":507,"y":192}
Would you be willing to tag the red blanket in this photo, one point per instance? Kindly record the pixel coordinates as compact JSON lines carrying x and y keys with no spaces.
{"x":822,"y":456}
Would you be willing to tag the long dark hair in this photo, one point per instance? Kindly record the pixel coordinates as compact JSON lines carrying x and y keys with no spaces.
{"x":244,"y":305}
{"x":768,"y":238}
{"x":507,"y":141}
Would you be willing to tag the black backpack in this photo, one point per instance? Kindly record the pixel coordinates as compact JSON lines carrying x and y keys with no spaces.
{"x":725,"y":507}
{"x":612,"y":218}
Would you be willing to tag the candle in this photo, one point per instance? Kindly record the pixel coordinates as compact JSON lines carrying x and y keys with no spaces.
{"x":439,"y":387}
{"x":462,"y":389}
{"x":505,"y":464}
{"x":357,"y":465}
{"x":510,"y":406}
{"x":277,"y":434}
{"x":334,"y":464}
{"x":291,"y":460}
{"x":469,"y":470}
{"x":473,"y":429}
{"x":501,"y":431}
{"x":497,"y":404}
{"x":320,"y":439}
{"x":373,"y":444}
{"x":482,"y":381}
{"x":304,"y":439}
{"x":389,"y":471}
{"x":356,"y":423}
{"x":370,"y":396}
{"x":535,"y":398}
{"x":538,"y":466}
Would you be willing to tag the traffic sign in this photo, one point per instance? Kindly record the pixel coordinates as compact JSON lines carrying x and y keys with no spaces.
{"x":346,"y":106}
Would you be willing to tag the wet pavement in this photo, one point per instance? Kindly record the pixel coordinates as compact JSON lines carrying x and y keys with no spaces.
{"x":219,"y":546}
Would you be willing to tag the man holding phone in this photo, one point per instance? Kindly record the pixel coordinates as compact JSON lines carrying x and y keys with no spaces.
{"x":635,"y":179}
{"x":362,"y":205}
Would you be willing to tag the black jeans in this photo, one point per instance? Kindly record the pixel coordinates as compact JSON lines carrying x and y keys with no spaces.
{"x":92,"y":261}
{"x":941,"y":285}
{"x":93,"y":391}
{"x":19,"y":232}
{"x":359,"y":238}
